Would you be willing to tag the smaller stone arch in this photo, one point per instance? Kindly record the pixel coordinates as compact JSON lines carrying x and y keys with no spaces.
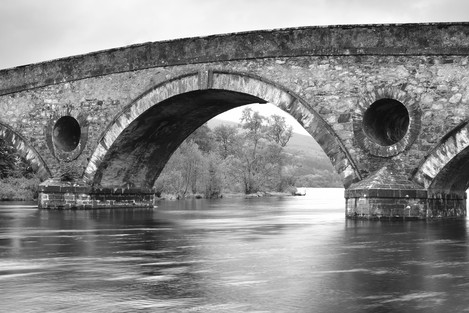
{"x":26,"y":151}
{"x":445,"y":169}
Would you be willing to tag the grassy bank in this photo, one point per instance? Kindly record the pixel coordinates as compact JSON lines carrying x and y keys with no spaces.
{"x":18,"y":189}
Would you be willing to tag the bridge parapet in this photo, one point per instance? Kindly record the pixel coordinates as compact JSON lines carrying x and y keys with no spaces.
{"x":431,"y":39}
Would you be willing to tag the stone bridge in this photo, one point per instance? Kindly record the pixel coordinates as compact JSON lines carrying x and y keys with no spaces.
{"x":389,"y":105}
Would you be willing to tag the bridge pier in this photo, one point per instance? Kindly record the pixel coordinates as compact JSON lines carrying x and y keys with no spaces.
{"x":385,"y":195}
{"x":54,"y":194}
{"x":403,"y":204}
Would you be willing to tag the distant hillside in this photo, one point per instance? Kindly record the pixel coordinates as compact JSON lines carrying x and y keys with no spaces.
{"x":305,"y":143}
{"x":216,"y":122}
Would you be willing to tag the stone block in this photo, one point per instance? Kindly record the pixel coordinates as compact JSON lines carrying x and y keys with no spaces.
{"x":49,"y":189}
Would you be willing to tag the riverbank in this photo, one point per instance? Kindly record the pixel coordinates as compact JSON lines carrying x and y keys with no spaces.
{"x":172,"y":197}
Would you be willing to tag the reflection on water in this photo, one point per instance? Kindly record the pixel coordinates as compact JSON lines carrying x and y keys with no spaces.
{"x":291,"y":254}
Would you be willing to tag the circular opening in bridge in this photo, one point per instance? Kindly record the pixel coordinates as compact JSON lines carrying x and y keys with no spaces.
{"x":386,"y":121}
{"x":66,"y":133}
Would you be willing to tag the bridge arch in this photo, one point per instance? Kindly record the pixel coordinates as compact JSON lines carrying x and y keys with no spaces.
{"x":136,"y":145}
{"x":26,"y":151}
{"x":445,"y":170}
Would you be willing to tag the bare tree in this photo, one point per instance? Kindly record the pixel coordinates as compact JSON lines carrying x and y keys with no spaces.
{"x":278,"y":131}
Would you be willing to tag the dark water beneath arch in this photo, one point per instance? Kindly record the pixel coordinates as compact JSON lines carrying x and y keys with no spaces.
{"x":291,"y":254}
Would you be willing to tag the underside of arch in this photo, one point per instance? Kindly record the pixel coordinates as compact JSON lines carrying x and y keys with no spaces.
{"x":446,"y":167}
{"x":136,"y":146}
{"x":26,"y":151}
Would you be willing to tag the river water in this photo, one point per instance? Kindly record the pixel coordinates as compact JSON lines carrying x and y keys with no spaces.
{"x":289,"y":254}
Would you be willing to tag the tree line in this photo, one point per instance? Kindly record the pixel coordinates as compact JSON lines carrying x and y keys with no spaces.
{"x":247,"y":158}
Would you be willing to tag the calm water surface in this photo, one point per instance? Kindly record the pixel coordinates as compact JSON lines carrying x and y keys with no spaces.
{"x":291,"y":254}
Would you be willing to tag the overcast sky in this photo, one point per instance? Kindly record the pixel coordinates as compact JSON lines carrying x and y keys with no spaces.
{"x":32,"y":31}
{"x":39,"y":30}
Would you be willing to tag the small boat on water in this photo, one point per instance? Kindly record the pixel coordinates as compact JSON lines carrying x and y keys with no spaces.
{"x":300,"y":192}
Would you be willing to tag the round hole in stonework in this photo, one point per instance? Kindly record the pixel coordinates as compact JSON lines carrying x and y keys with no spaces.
{"x":386,"y":121}
{"x":66,"y":133}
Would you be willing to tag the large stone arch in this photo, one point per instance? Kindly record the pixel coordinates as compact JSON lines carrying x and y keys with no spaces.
{"x":26,"y":151}
{"x":131,"y":152}
{"x":445,"y":170}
